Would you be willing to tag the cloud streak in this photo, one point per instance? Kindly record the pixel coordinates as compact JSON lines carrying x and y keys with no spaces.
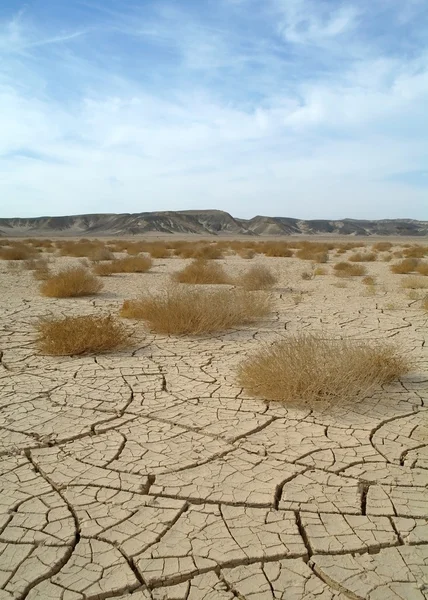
{"x":235,"y":106}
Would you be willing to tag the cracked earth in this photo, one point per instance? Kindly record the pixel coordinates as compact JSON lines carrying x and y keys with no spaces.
{"x":148,"y":474}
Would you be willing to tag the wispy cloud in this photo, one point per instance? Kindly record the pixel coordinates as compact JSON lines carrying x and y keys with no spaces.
{"x":236,"y":105}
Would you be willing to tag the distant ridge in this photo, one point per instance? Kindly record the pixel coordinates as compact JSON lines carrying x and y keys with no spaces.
{"x":204,"y":222}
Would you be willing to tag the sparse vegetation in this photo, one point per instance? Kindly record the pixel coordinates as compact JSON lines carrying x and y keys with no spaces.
{"x":129,"y":264}
{"x":422,"y":268}
{"x":369,"y":280}
{"x":187,"y":311}
{"x":201,"y":271}
{"x":382,"y":246}
{"x":424,"y":303}
{"x":307,"y":368}
{"x":320,"y":271}
{"x":17,"y":251}
{"x":362,"y":257}
{"x":407,"y":265}
{"x":414,"y":283}
{"x":258,"y":277}
{"x":81,"y":335}
{"x":345,"y":269}
{"x":72,"y":282}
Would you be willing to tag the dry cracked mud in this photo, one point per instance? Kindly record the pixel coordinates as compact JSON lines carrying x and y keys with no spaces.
{"x":148,"y":474}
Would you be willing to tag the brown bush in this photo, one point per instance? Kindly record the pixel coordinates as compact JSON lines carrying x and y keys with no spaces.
{"x":407,"y":265}
{"x":17,"y":252}
{"x":307,"y":368}
{"x":129,"y":264}
{"x":247,"y":253}
{"x":382,"y":246}
{"x":257,"y":278}
{"x":81,"y":335}
{"x":183,"y":310}
{"x":345,"y":269}
{"x":414,"y":283}
{"x":201,"y":271}
{"x":276,"y":249}
{"x":424,"y":303}
{"x":369,"y":280}
{"x":70,"y":283}
{"x":315,"y":253}
{"x":198,"y":250}
{"x":416,"y":252}
{"x":362,"y":257}
{"x":100,"y":253}
{"x":80,"y":249}
{"x":320,"y":271}
{"x":422,"y":268}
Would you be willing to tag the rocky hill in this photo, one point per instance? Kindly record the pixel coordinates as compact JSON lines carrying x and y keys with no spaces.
{"x":203,"y":222}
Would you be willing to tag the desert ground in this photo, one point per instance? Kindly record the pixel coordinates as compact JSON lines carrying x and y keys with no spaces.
{"x":150,"y":473}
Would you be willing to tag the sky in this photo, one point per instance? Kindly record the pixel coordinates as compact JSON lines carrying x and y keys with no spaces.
{"x":296,"y":108}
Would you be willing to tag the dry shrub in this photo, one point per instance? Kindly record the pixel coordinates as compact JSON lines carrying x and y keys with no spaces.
{"x":100,"y":253}
{"x":424,"y":303}
{"x":414,"y":283}
{"x":387,"y":257}
{"x":316,"y":252}
{"x":247,"y":253}
{"x":158,"y":250}
{"x":407,"y":265}
{"x":382,"y":246}
{"x":198,"y":250}
{"x":70,"y":283}
{"x":345,"y":269}
{"x":276,"y":249}
{"x":416,"y":252}
{"x":187,"y":311}
{"x":422,"y":268}
{"x":104,"y":269}
{"x":257,"y":278}
{"x":369,"y":280}
{"x":362,"y":257}
{"x":308,"y":368}
{"x":320,"y":271}
{"x":80,"y":249}
{"x":17,"y":252}
{"x":201,"y":271}
{"x":307,"y":275}
{"x":129,"y":264}
{"x":81,"y":335}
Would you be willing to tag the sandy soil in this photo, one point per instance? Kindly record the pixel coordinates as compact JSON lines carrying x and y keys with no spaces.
{"x":148,"y":474}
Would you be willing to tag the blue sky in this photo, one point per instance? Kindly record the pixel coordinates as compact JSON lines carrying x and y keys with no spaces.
{"x":302,"y":108}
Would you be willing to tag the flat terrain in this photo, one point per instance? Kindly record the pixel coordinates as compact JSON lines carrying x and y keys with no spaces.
{"x":149,"y":474}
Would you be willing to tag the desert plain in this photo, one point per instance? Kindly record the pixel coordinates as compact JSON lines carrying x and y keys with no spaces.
{"x":149,"y":472}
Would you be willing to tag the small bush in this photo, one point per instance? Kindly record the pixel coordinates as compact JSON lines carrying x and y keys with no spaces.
{"x":422,"y":268}
{"x":369,"y":280}
{"x":416,"y":252}
{"x":414,"y":283}
{"x":101,"y":253}
{"x":247,"y":253}
{"x":81,"y":335}
{"x":104,"y":269}
{"x":129,"y":264}
{"x":17,"y":252}
{"x":345,"y":269}
{"x":362,"y":257}
{"x":201,"y":271}
{"x":407,"y":265}
{"x":183,"y":310}
{"x":382,"y":246}
{"x":257,"y":278}
{"x":276,"y":249}
{"x":70,"y":283}
{"x":424,"y":303}
{"x":307,"y":275}
{"x":314,"y":254}
{"x":320,"y":271}
{"x":307,"y":368}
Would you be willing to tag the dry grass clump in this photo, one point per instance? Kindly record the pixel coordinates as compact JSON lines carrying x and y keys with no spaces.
{"x":276,"y":249}
{"x":407,"y":265}
{"x":316,"y":252}
{"x":81,"y":335}
{"x":128,"y":264}
{"x":247,"y":253}
{"x":369,"y":280}
{"x":416,"y":251}
{"x":422,"y":268}
{"x":362,"y":257}
{"x":414,"y":283}
{"x":198,"y":250}
{"x":71,"y":283}
{"x":81,"y":249}
{"x":17,"y":251}
{"x":202,"y":271}
{"x":257,"y":278}
{"x":345,"y":269}
{"x":308,"y":368}
{"x":187,"y":311}
{"x":100,"y":253}
{"x":320,"y":271}
{"x":382,"y":246}
{"x":424,"y":303}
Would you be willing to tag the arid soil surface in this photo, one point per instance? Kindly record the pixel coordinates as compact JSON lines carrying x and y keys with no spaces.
{"x":148,"y":474}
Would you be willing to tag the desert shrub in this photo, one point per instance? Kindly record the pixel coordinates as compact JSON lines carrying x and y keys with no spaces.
{"x":202,"y":271}
{"x":320,"y":271}
{"x":132,"y":264}
{"x":183,"y":310}
{"x":414,"y":283}
{"x":72,"y":282}
{"x":247,"y":253}
{"x":382,"y":246}
{"x":198,"y":250}
{"x":80,"y":335}
{"x":345,"y":269}
{"x":424,"y":303}
{"x":362,"y":257}
{"x":369,"y":280}
{"x":416,"y":252}
{"x":307,"y":368}
{"x":387,"y":257}
{"x":17,"y":252}
{"x":158,"y":250}
{"x":307,"y":275}
{"x":104,"y":269}
{"x":81,"y":249}
{"x":100,"y":253}
{"x":422,"y":268}
{"x":257,"y":278}
{"x":316,"y":253}
{"x":407,"y":265}
{"x":276,"y":249}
